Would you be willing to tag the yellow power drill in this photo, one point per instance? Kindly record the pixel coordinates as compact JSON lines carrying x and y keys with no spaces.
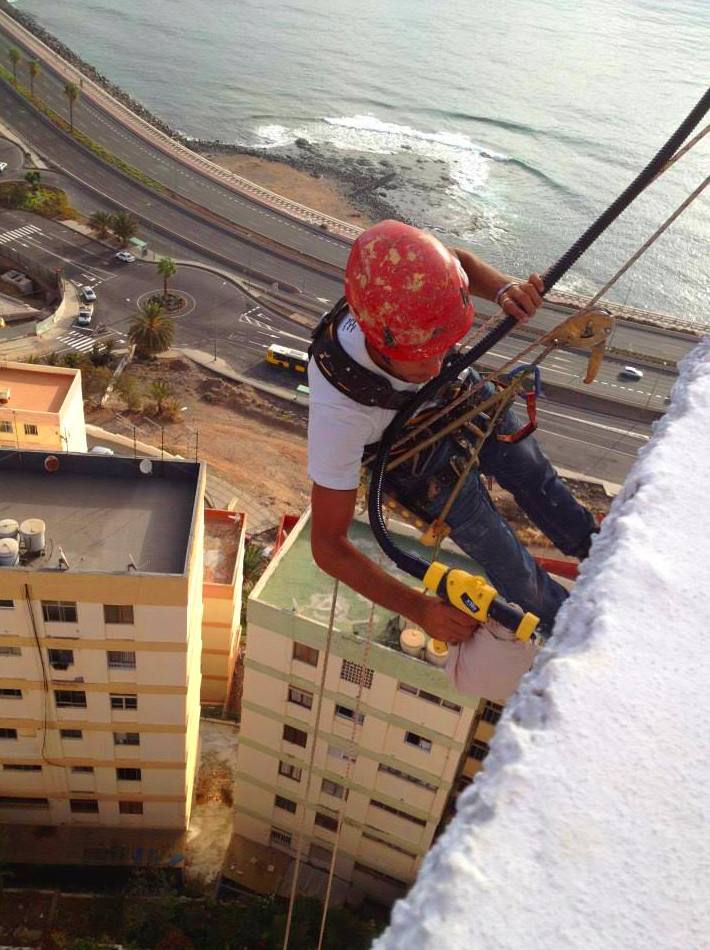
{"x":476,"y":597}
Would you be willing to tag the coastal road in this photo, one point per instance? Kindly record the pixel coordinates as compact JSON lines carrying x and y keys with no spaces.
{"x":102,"y":127}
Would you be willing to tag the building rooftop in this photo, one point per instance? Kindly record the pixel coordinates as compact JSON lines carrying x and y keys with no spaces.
{"x":223,"y":534}
{"x":104,"y":511}
{"x":37,"y":388}
{"x":297,"y":584}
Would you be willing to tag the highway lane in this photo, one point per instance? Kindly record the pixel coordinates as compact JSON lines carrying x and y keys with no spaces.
{"x":123,"y":192}
{"x":104,"y":128}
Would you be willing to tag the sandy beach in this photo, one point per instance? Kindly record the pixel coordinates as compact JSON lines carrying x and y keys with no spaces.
{"x":321,"y":193}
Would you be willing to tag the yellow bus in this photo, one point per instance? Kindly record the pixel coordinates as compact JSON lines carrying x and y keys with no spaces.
{"x":295,"y":360}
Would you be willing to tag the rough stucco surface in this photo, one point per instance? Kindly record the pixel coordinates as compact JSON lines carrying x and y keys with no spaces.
{"x":589,"y":825}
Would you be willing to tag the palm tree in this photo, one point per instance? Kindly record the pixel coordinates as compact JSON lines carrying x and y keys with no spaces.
{"x":124,"y":226}
{"x":152,"y":331}
{"x":71,"y":91}
{"x":15,"y":58}
{"x":166,"y":269}
{"x":33,"y":69}
{"x":101,"y":221}
{"x":160,"y":390}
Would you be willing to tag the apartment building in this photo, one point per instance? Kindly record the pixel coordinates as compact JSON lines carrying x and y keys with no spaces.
{"x":384,"y":768}
{"x":222,"y":599}
{"x":100,"y":637}
{"x":41,"y":407}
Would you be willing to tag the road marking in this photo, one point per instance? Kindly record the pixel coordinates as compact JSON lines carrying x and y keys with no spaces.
{"x":596,"y":425}
{"x":253,"y":322}
{"x":76,"y":340}
{"x":25,"y":231}
{"x":293,"y":336}
{"x":605,"y":448}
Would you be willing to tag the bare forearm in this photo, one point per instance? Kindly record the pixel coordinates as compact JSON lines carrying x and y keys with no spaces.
{"x":484,"y":279}
{"x":343,"y":560}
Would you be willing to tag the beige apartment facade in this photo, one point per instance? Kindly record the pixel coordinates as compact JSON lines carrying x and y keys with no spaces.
{"x":41,"y":408}
{"x":100,"y":641}
{"x":391,"y":740}
{"x":225,"y":533}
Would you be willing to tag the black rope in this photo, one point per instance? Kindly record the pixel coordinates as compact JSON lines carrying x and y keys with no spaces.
{"x":410,"y":563}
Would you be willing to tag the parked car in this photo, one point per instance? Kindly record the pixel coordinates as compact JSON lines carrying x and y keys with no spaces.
{"x":85,"y":316}
{"x":125,"y":256}
{"x":3,"y":166}
{"x":630,"y":372}
{"x":88,"y":293}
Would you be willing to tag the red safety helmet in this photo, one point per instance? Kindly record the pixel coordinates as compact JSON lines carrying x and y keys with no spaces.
{"x":407,"y":291}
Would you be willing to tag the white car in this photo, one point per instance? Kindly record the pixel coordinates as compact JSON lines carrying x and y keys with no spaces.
{"x":125,"y":256}
{"x":85,"y":315}
{"x":88,"y":293}
{"x":3,"y":166}
{"x":630,"y":372}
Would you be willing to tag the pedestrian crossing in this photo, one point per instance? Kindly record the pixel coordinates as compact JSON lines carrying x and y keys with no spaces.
{"x":7,"y":236}
{"x":83,"y":342}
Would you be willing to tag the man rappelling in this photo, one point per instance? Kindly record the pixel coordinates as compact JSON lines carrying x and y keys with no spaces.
{"x":407,"y":302}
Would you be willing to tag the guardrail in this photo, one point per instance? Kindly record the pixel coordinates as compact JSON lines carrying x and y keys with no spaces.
{"x":169,"y":145}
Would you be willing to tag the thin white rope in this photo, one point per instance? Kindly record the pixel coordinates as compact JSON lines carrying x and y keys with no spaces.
{"x":309,"y":774}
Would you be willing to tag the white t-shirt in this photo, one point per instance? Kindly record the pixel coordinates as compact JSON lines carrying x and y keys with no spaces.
{"x":338,"y":427}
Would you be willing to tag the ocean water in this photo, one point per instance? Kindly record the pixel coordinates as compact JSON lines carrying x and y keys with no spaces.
{"x":539,"y":112}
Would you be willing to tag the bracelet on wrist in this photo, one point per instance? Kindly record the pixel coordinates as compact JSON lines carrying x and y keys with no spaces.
{"x":501,"y":291}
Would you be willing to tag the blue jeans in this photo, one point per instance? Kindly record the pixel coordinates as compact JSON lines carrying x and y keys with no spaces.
{"x":476,"y":526}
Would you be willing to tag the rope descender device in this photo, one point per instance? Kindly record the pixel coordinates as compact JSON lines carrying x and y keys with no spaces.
{"x":588,"y":329}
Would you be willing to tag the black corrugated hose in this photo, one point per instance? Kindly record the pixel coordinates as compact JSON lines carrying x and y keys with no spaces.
{"x":410,"y":563}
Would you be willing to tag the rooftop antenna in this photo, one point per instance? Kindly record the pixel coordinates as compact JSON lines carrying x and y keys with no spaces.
{"x":62,"y":559}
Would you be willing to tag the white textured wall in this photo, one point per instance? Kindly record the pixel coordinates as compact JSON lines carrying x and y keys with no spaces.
{"x":589,"y":825}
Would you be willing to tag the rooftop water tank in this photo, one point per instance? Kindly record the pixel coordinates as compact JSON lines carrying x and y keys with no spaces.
{"x":8,"y":528}
{"x":412,"y":641}
{"x":32,"y":534}
{"x":437,"y":652}
{"x":9,"y":552}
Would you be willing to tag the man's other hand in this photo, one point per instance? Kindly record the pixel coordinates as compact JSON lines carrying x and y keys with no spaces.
{"x":522,"y":300}
{"x":444,"y":622}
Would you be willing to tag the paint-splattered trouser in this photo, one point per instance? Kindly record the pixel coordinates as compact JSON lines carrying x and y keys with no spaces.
{"x":477,"y":527}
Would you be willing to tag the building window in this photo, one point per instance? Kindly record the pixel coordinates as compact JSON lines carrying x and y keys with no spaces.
{"x":121,"y":659}
{"x":123,"y":701}
{"x":285,"y":803}
{"x":84,"y":806}
{"x":344,"y":712}
{"x":5,"y":426}
{"x":278,"y":837}
{"x":71,"y":734}
{"x":61,"y":659}
{"x":387,"y":844}
{"x":128,"y":775}
{"x":396,"y":811}
{"x":354,"y":673}
{"x":297,"y":736}
{"x":59,"y":611}
{"x":10,"y":651}
{"x":411,"y":738}
{"x":478,"y":750}
{"x":126,"y":738}
{"x":378,"y":875}
{"x":82,"y":769}
{"x":8,"y":733}
{"x":320,"y":854}
{"x":341,"y":754}
{"x":130,"y":808}
{"x":491,"y":712}
{"x":11,"y":801}
{"x":290,"y":771}
{"x":326,"y":821}
{"x":118,"y":613}
{"x":333,"y":788}
{"x":70,"y":698}
{"x":7,"y":604}
{"x":10,"y":694}
{"x":300,"y":697}
{"x":31,"y":429}
{"x":305,"y":654}
{"x":22,"y":768}
{"x":429,"y":697}
{"x":407,"y":778}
